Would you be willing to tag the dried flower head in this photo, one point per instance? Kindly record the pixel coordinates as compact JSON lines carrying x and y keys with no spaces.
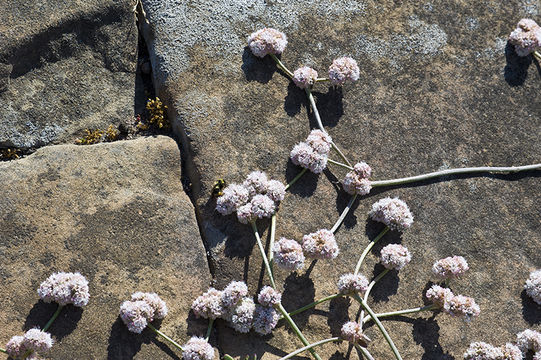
{"x":269,"y":296}
{"x":65,"y":288}
{"x":450,"y":267}
{"x":209,"y":305}
{"x":526,"y":37}
{"x":320,"y":245}
{"x":439,"y":296}
{"x":349,"y":283}
{"x":233,"y":293}
{"x":256,"y":183}
{"x":533,"y":286}
{"x":242,"y":315}
{"x":395,"y":256}
{"x":267,"y":41}
{"x":136,"y":314}
{"x":483,"y":351}
{"x":262,"y":206}
{"x":353,"y":332}
{"x":276,"y":190}
{"x":460,"y":305}
{"x":305,"y":156}
{"x":343,"y":69}
{"x":529,"y":340}
{"x":37,"y":340}
{"x":319,"y":141}
{"x":197,"y":348}
{"x":511,"y":352}
{"x":304,"y":77}
{"x":234,"y":196}
{"x":159,"y":308}
{"x":392,"y":212}
{"x":265,"y":319}
{"x":15,"y":347}
{"x":288,"y":254}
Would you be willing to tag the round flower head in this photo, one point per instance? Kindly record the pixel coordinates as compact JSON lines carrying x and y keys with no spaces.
{"x":483,"y":351}
{"x":349,"y":283}
{"x":439,"y":296}
{"x":511,"y":352}
{"x":15,"y":347}
{"x":276,"y":190}
{"x":526,"y":37}
{"x":392,"y":212}
{"x":269,"y":297}
{"x":460,"y":305}
{"x":65,"y":288}
{"x":37,"y":340}
{"x":135,"y":314}
{"x":537,"y":356}
{"x":265,"y":319}
{"x":353,"y":332}
{"x":343,"y":69}
{"x":256,"y":183}
{"x":242,"y":315}
{"x":233,"y":292}
{"x":320,"y":245}
{"x":234,"y":196}
{"x":529,"y":340}
{"x":244,"y":214}
{"x":197,"y":348}
{"x":319,"y":141}
{"x":304,"y":77}
{"x":533,"y":286}
{"x":262,"y":206}
{"x":209,"y":305}
{"x":363,"y":170}
{"x":395,"y":256}
{"x":267,"y":41}
{"x":288,"y":254}
{"x":159,"y":308}
{"x":305,"y":156}
{"x":354,"y":184}
{"x":450,"y":267}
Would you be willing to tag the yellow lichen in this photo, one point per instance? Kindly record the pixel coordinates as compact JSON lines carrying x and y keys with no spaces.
{"x":157,"y":113}
{"x":96,"y":136}
{"x":9,"y":154}
{"x":111,"y":134}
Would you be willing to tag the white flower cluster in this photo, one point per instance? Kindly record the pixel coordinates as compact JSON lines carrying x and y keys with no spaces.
{"x":342,"y":70}
{"x":304,"y":77}
{"x":455,"y":305}
{"x":65,"y":288}
{"x":533,"y":286}
{"x":142,"y":309}
{"x":530,"y":340}
{"x":526,"y":37}
{"x":450,"y":267}
{"x":197,"y":348}
{"x":395,"y":256}
{"x":356,"y":181}
{"x":320,"y":245}
{"x":267,"y":41}
{"x":351,"y":283}
{"x":483,"y":351}
{"x":288,"y":254}
{"x":394,"y":213}
{"x":352,"y":331}
{"x":32,"y":343}
{"x":313,"y":153}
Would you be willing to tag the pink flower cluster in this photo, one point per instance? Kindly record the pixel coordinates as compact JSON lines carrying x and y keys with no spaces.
{"x":256,"y":198}
{"x":392,"y":212}
{"x":455,"y":305}
{"x":533,"y":286}
{"x":65,"y":288}
{"x":197,"y":348}
{"x":450,"y":267}
{"x":320,"y":245}
{"x":313,"y":153}
{"x":32,"y":343}
{"x":526,"y":37}
{"x":142,"y":309}
{"x":342,"y":70}
{"x":530,"y":340}
{"x":288,"y":254}
{"x":483,"y":351}
{"x":353,"y":332}
{"x":395,"y":256}
{"x":356,"y":181}
{"x":304,"y":77}
{"x":351,"y":283}
{"x":267,"y":41}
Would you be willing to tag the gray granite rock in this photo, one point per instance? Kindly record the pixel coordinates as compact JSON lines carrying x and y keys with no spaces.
{"x":117,"y":214}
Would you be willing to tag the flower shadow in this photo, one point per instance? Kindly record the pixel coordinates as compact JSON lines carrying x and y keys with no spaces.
{"x":257,"y":69}
{"x":516,"y":68}
{"x":64,"y":325}
{"x":531,"y":311}
{"x":298,"y":291}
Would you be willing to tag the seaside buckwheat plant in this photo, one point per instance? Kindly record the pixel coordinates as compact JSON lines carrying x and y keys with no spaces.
{"x":320,"y":245}
{"x":356,"y":181}
{"x":33,"y":343}
{"x":65,"y":288}
{"x":526,"y":37}
{"x":142,"y":309}
{"x":305,"y":77}
{"x":267,"y":41}
{"x":450,"y":267}
{"x":197,"y":348}
{"x":395,"y":256}
{"x":394,"y":213}
{"x":533,"y":286}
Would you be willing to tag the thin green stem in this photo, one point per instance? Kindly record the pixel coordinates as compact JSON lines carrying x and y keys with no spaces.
{"x":401,"y":312}
{"x":367,"y":249}
{"x":344,"y":214}
{"x":340,"y":164}
{"x":321,"y":80}
{"x":364,"y":351}
{"x":315,"y":303}
{"x":171,"y":341}
{"x":227,"y":357}
{"x":296,"y":178}
{"x":537,"y":55}
{"x":282,"y":66}
{"x":296,"y":330}
{"x":333,"y":145}
{"x":3,"y":350}
{"x":262,"y":250}
{"x":53,"y":318}
{"x":308,"y":347}
{"x":370,"y":286}
{"x":271,"y":243}
{"x":379,"y":325}
{"x":209,"y":329}
{"x":488,"y":169}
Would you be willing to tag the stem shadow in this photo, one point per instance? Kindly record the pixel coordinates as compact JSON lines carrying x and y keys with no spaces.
{"x":64,"y":324}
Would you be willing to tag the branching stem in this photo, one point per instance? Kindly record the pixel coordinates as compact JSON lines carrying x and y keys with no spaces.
{"x":296,"y":330}
{"x":209,"y":329}
{"x":367,"y":249}
{"x":401,"y":312}
{"x":315,"y":303}
{"x":53,"y":318}
{"x":262,"y":250}
{"x":344,"y":214}
{"x":340,"y":164}
{"x":282,"y":66}
{"x":308,"y":347}
{"x":171,"y":341}
{"x":370,"y":286}
{"x":297,"y":177}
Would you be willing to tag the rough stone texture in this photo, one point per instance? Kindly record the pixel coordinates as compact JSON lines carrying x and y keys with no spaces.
{"x":116,"y":213}
{"x":438,"y":89}
{"x":72,"y":67}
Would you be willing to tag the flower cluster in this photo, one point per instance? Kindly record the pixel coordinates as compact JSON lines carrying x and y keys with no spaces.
{"x":526,"y":37}
{"x":288,"y":254}
{"x":313,"y":153}
{"x":267,"y":41}
{"x":320,"y":245}
{"x":65,"y":288}
{"x":395,"y":256}
{"x":450,"y":267}
{"x":342,"y":70}
{"x":269,"y":296}
{"x":356,"y":181}
{"x":530,"y":340}
{"x":353,"y":332}
{"x":142,"y":309}
{"x":256,"y":198}
{"x":533,"y":286}
{"x":197,"y":348}
{"x":483,"y":351}
{"x":350,"y":283}
{"x":392,"y":212}
{"x":34,"y":341}
{"x":455,"y":305}
{"x":304,"y":77}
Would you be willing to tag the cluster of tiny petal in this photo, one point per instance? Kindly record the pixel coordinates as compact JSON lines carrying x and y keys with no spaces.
{"x":269,"y":296}
{"x":65,"y":288}
{"x":233,"y":293}
{"x":483,"y":351}
{"x":256,"y":183}
{"x":356,"y":181}
{"x":242,"y":315}
{"x":267,"y":41}
{"x":439,"y":295}
{"x":304,"y":77}
{"x":142,"y":309}
{"x":343,"y":69}
{"x":526,"y":37}
{"x":158,"y":306}
{"x":265,"y":319}
{"x":197,"y":348}
{"x":450,"y":267}
{"x":312,"y":154}
{"x":533,"y":286}
{"x":276,"y":190}
{"x":349,"y":283}
{"x":234,"y":196}
{"x":529,"y":340}
{"x":392,"y":212}
{"x":34,"y":340}
{"x":460,"y":305}
{"x":209,"y":305}
{"x":511,"y":352}
{"x":288,"y":254}
{"x":320,"y":245}
{"x":353,"y":332}
{"x":262,"y":206}
{"x":395,"y":256}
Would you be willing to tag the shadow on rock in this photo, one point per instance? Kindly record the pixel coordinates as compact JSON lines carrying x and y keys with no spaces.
{"x":531,"y":311}
{"x":306,"y":185}
{"x":330,"y":105}
{"x":426,"y":332}
{"x":124,"y":344}
{"x":338,"y":356}
{"x":294,"y":100}
{"x":387,"y":286}
{"x":338,"y":314}
{"x":257,"y":69}
{"x":298,"y":291}
{"x":374,"y":228}
{"x":516,"y":68}
{"x":64,"y":324}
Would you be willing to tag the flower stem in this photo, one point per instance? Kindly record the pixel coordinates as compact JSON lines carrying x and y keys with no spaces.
{"x":321,"y":80}
{"x":309,"y":306}
{"x":340,"y":153}
{"x":372,"y":283}
{"x":209,"y":329}
{"x":364,"y":351}
{"x":379,"y":325}
{"x":344,"y":214}
{"x":296,"y":178}
{"x":53,"y":318}
{"x":262,"y":250}
{"x":296,"y":329}
{"x":401,"y":312}
{"x":367,"y":249}
{"x":282,"y":66}
{"x":537,"y":55}
{"x":436,"y":174}
{"x":270,"y":256}
{"x":340,"y":164}
{"x":3,"y":350}
{"x":308,"y":347}
{"x":173,"y":342}
{"x":227,"y":357}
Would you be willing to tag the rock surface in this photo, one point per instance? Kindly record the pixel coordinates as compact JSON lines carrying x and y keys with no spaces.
{"x":71,"y":67}
{"x":438,"y":89}
{"x":117,"y":214}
